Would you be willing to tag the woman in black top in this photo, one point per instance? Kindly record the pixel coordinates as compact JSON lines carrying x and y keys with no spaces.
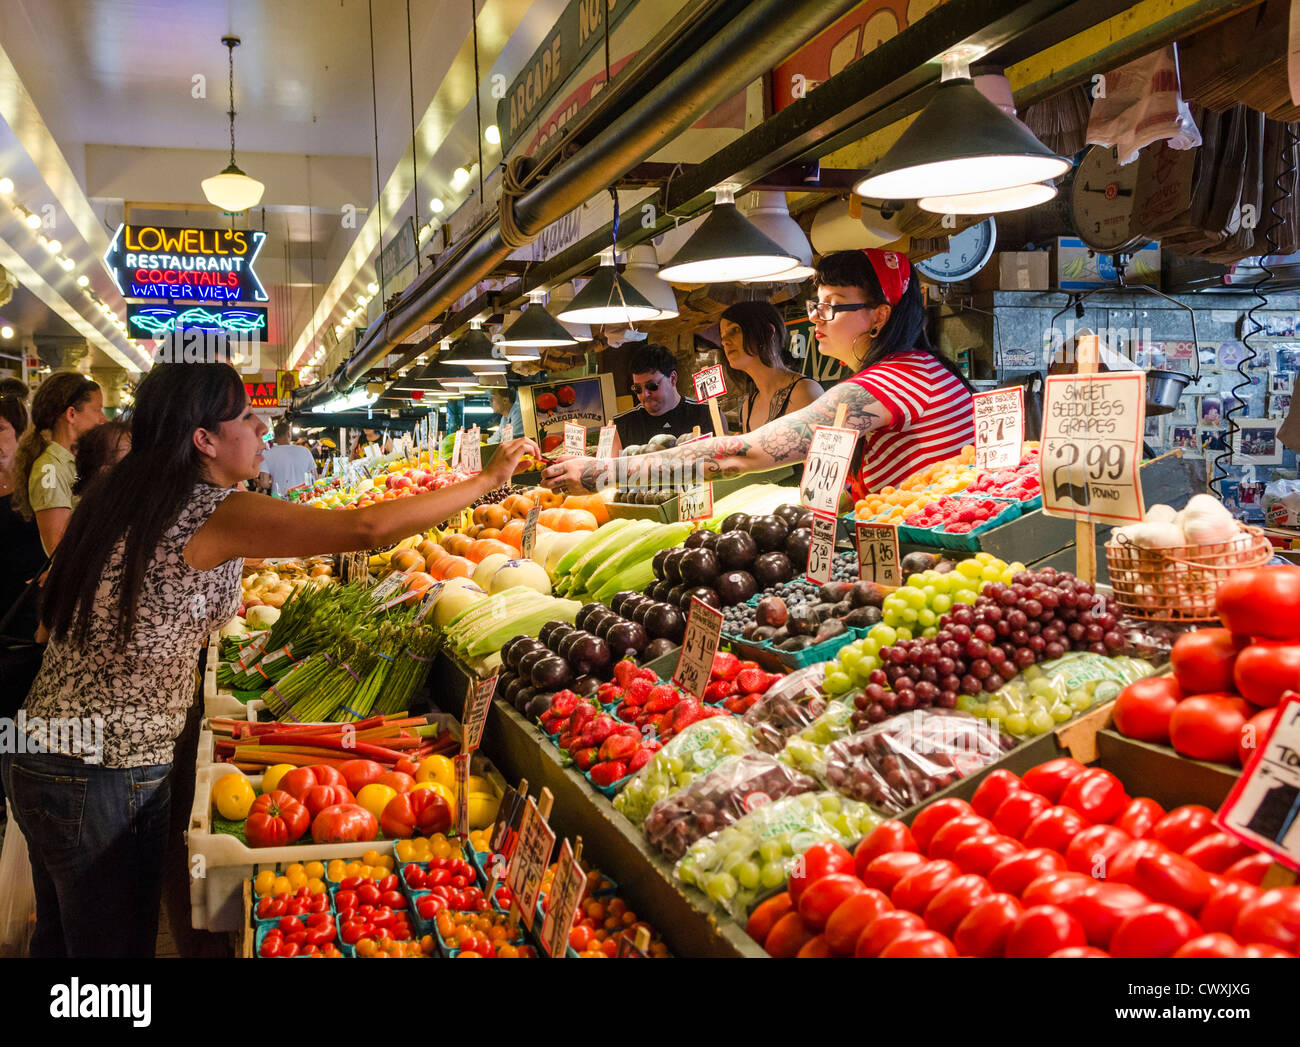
{"x":760,"y":367}
{"x":20,"y":539}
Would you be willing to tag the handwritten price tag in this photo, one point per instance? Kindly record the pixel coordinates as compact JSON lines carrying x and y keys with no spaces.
{"x":1261,"y":808}
{"x":878,"y":553}
{"x":472,"y":452}
{"x":430,"y":598}
{"x":507,"y":432}
{"x":529,"y":541}
{"x":461,"y":766}
{"x":566,"y":894}
{"x":828,"y":465}
{"x":699,"y":646}
{"x":821,"y":550}
{"x":709,"y":383}
{"x":575,"y":439}
{"x":477,"y":704}
{"x":605,"y":448}
{"x":999,"y":429}
{"x":455,"y":448}
{"x":529,"y":860}
{"x":695,"y":502}
{"x":1092,"y":443}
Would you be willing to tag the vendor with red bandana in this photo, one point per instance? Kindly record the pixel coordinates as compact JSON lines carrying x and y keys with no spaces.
{"x":911,"y":405}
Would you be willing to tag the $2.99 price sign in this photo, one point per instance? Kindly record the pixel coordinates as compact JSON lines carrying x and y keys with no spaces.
{"x":566,"y":894}
{"x":528,"y":861}
{"x":821,"y":550}
{"x":827,"y":467}
{"x":999,"y":428}
{"x":699,"y":646}
{"x":477,"y":704}
{"x":878,"y":553}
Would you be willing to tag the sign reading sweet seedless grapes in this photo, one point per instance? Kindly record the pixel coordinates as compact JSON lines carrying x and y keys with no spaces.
{"x":1092,"y":442}
{"x":999,"y":428}
{"x":827,"y":466}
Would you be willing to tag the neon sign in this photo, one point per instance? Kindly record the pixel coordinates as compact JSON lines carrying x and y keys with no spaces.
{"x":156,"y":321}
{"x":262,"y":394}
{"x":215,"y":265}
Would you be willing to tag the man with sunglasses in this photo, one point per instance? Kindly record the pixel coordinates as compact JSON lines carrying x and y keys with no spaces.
{"x":661,"y":408}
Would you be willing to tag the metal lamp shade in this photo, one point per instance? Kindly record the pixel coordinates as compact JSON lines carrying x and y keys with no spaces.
{"x":609,"y":299}
{"x":993,"y":202}
{"x":537,"y":328}
{"x":473,"y":351}
{"x":444,"y":374}
{"x":960,"y":143}
{"x":726,"y":247}
{"x":560,"y":300}
{"x":770,"y":214}
{"x":642,"y":272}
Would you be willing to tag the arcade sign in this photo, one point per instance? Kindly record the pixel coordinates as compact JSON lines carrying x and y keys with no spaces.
{"x":200,"y":265}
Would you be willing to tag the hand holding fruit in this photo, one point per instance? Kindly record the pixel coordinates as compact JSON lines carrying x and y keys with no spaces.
{"x":505,"y":462}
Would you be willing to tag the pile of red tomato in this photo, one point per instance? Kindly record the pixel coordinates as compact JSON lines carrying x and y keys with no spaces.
{"x":1061,"y":863}
{"x":1220,"y":702}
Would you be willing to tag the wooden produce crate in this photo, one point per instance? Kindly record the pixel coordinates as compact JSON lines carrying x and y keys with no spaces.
{"x":1168,"y":778}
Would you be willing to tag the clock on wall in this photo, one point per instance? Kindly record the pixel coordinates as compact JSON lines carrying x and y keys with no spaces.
{"x":1101,"y":202}
{"x":968,"y":252}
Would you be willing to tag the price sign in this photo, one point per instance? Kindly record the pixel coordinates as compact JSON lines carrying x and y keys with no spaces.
{"x":606,"y":447}
{"x":455,"y":448}
{"x":252,"y":651}
{"x":699,"y":646}
{"x":506,"y":432}
{"x":530,"y":531}
{"x":507,"y":819}
{"x":827,"y":467}
{"x":878,"y":553}
{"x":566,"y":893}
{"x":575,"y":439}
{"x":999,"y":428}
{"x":477,"y":703}
{"x":1092,"y":442}
{"x":1263,"y":808}
{"x":430,"y":598}
{"x":529,"y":860}
{"x":821,"y":550}
{"x":695,"y":502}
{"x":460,"y":763}
{"x":472,"y":452}
{"x":387,"y":587}
{"x":709,"y":383}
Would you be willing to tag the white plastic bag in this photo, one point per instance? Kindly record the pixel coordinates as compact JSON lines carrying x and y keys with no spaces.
{"x":17,"y":897}
{"x":1282,"y":503}
{"x":1140,"y":103}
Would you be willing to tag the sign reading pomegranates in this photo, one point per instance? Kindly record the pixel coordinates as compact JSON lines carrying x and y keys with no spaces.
{"x":547,"y":408}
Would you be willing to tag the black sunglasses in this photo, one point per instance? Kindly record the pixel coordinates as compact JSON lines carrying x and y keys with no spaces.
{"x":649,"y":387}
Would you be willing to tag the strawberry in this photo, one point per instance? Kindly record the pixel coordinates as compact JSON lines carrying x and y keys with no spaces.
{"x":687,"y":712}
{"x":752,"y":681}
{"x":608,"y":773}
{"x":638,"y":761}
{"x":638,"y":691}
{"x":747,"y":664}
{"x":586,"y":758}
{"x":563,"y":703}
{"x":620,"y":746}
{"x":725,"y":666}
{"x":609,"y":692}
{"x":719,"y":689}
{"x":645,"y":673}
{"x":625,"y":712}
{"x":583,"y":715}
{"x":625,"y":671}
{"x":661,"y":698}
{"x":602,"y":727}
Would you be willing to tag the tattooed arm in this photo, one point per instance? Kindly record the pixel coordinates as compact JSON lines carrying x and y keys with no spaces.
{"x":778,"y":443}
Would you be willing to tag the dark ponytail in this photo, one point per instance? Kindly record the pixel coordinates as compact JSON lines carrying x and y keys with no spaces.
{"x":56,"y":394}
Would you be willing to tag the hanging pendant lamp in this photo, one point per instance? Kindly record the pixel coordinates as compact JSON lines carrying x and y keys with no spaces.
{"x":769,"y":213}
{"x":995,"y":201}
{"x":609,"y":299}
{"x":642,"y":272}
{"x":474,"y":351}
{"x":560,"y":299}
{"x":726,"y":247}
{"x":536,"y":329}
{"x":232,"y":190}
{"x":959,"y":144}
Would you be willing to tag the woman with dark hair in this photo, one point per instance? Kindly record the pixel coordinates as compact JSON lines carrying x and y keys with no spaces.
{"x":99,"y":450}
{"x":21,"y":541}
{"x":912,"y":406}
{"x":65,"y":407}
{"x":149,"y":566}
{"x":759,"y":364}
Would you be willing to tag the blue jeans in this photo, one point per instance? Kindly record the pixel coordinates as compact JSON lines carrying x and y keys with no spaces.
{"x":96,"y":837}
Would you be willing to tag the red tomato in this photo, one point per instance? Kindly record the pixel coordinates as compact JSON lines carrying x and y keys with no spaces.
{"x":887,"y":837}
{"x":1143,"y":708}
{"x":853,"y":916}
{"x":300,"y":779}
{"x":276,"y":818}
{"x":928,"y":821}
{"x":919,"y":945}
{"x":787,"y":936}
{"x":1016,"y":812}
{"x":919,"y":885}
{"x":1220,"y":912}
{"x":823,"y":896}
{"x":884,"y":872}
{"x":318,"y":797}
{"x":1250,"y":870}
{"x":1055,"y":888}
{"x":419,"y":809}
{"x":1123,"y":867}
{"x":815,"y":948}
{"x":1079,"y":952}
{"x":821,"y":859}
{"x":1051,"y":778}
{"x":1215,"y":852}
{"x":1208,"y":726}
{"x":884,"y":929}
{"x":1092,"y":851}
{"x":397,"y":780}
{"x":1102,"y":907}
{"x":1097,"y":795}
{"x":995,"y":788}
{"x":1154,"y":932}
{"x":1257,"y":951}
{"x":1218,"y":946}
{"x":1273,"y":918}
{"x":979,"y":854}
{"x":1253,"y":733}
{"x":1139,"y":817}
{"x":1183,"y":826}
{"x":1202,"y":660}
{"x":344,"y":823}
{"x":360,"y":773}
{"x":1266,"y":670}
{"x":944,"y":842}
{"x":765,"y":915}
{"x":1264,"y":601}
{"x":954,"y":901}
{"x":984,"y":930}
{"x":1172,"y":879}
{"x":1054,"y":828}
{"x":1042,"y":930}
{"x":1014,"y":874}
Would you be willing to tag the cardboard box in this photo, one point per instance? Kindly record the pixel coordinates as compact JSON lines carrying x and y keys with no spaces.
{"x":1014,"y":271}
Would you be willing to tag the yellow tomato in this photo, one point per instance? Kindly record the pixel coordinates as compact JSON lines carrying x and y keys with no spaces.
{"x":405,"y":851}
{"x":440,"y":847}
{"x":438,"y":769}
{"x":263,"y":882}
{"x":315,"y":870}
{"x":371,"y":857}
{"x":374,"y":798}
{"x":316,"y":885}
{"x":281,"y":886}
{"x":337,"y":869}
{"x":272,"y":775}
{"x":382,"y":865}
{"x":297,"y":878}
{"x":234,"y":796}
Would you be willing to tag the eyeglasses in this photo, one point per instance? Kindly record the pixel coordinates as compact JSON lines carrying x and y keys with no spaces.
{"x":649,"y":387}
{"x":826,"y":311}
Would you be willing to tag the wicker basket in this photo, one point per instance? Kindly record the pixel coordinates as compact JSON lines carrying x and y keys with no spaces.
{"x":1178,"y":584}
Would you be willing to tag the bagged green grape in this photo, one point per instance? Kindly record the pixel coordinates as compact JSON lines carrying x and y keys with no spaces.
{"x":753,"y":856}
{"x":806,"y":751}
{"x":697,"y":750}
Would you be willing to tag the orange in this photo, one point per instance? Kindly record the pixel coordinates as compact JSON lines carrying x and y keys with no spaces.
{"x":453,"y":567}
{"x":485,"y":547}
{"x":578,"y":520}
{"x":468,"y":954}
{"x":505,"y":951}
{"x":513,"y":535}
{"x":457,"y":544}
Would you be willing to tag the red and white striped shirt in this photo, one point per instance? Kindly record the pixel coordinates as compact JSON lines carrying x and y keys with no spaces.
{"x":931,"y":418}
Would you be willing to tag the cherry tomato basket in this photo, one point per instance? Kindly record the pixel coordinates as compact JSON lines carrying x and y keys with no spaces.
{"x":450,"y":952}
{"x":968,"y":541}
{"x":262,"y":927}
{"x":1179,"y":584}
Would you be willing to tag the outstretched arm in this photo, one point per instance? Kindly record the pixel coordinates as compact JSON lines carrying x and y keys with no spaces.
{"x":778,"y":443}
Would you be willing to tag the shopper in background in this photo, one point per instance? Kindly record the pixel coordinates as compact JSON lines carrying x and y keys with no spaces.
{"x":100,"y":449}
{"x":507,"y":406}
{"x":66,"y":406}
{"x":661,"y":408}
{"x":369,"y":438}
{"x":759,"y":364}
{"x":15,"y":388}
{"x":286,"y":464}
{"x":149,"y":567}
